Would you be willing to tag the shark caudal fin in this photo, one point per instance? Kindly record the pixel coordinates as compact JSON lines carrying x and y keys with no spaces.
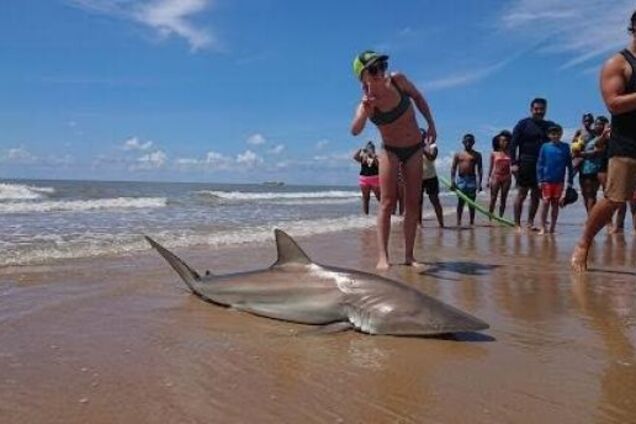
{"x":288,"y":250}
{"x":186,"y":273}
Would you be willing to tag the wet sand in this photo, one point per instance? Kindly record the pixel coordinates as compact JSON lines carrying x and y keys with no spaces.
{"x":121,"y":339}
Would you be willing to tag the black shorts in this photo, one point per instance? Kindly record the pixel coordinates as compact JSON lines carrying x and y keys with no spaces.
{"x":430,"y":186}
{"x":527,"y":176}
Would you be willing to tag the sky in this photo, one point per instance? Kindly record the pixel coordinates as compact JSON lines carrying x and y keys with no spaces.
{"x":241,"y":91}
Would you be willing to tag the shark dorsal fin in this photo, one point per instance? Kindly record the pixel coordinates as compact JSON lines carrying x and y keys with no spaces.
{"x":288,"y":251}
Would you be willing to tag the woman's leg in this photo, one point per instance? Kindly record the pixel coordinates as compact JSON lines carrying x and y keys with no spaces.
{"x":376,"y":192}
{"x":505,"y":188}
{"x":388,"y":165}
{"x":412,"y":173}
{"x":366,"y":195}
{"x":494,"y":191}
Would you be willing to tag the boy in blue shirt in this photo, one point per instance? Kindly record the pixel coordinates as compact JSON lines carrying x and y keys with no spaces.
{"x":554,"y":159}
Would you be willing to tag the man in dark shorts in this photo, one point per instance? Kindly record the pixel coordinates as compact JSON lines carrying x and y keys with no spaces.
{"x":618,"y":87}
{"x":527,"y":138}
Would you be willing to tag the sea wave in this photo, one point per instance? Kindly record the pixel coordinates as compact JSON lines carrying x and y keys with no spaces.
{"x":83,"y":205}
{"x":243,"y":196}
{"x":87,"y":245}
{"x":99,"y":244}
{"x":10,"y":191}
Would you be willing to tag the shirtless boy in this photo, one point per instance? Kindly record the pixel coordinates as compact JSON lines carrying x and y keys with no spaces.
{"x":467,"y":165}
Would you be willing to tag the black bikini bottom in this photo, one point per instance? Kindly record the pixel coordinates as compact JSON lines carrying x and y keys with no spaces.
{"x":403,"y":153}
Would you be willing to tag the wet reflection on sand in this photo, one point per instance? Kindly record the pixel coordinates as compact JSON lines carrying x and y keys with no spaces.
{"x":120,"y":340}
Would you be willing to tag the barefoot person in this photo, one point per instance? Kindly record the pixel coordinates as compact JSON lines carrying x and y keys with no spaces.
{"x":618,"y":87}
{"x":467,"y":165}
{"x":593,"y":155}
{"x":527,"y":137}
{"x":430,"y":183}
{"x":554,"y":159}
{"x":499,"y":174}
{"x":580,"y":139}
{"x":387,"y":100}
{"x":369,"y":179}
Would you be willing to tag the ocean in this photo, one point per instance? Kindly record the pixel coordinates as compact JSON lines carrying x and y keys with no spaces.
{"x":43,"y":221}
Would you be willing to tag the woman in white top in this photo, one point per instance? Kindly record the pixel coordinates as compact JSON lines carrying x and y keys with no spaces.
{"x":430,"y":183}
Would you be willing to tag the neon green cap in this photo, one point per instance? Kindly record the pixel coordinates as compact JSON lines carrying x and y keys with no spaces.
{"x":365,"y":59}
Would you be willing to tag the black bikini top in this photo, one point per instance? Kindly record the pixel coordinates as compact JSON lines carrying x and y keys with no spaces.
{"x":382,"y":118}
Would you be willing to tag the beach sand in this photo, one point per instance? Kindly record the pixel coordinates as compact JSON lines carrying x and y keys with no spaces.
{"x":121,"y":340}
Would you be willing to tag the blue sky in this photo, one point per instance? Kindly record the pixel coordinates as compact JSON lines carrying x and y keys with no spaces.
{"x":249,"y":91}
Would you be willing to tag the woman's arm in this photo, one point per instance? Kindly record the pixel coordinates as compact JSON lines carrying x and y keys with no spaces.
{"x":359,"y":119}
{"x":420,"y":102}
{"x":358,"y":156}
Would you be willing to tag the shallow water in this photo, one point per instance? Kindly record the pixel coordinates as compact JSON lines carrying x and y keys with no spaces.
{"x":121,"y":340}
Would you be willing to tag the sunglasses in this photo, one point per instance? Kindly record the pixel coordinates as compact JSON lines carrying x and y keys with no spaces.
{"x":377,"y":68}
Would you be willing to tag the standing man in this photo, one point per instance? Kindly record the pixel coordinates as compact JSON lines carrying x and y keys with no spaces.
{"x":618,"y":87}
{"x":527,"y":138}
{"x":467,"y":165}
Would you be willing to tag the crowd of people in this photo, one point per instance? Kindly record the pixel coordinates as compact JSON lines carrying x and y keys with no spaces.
{"x":601,"y":152}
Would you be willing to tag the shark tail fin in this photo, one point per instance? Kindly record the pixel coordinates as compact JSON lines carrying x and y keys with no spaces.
{"x":187,"y":274}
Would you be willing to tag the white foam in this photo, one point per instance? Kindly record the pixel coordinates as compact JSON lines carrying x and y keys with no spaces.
{"x":239,"y":195}
{"x":23,"y":192}
{"x":83,"y":205}
{"x":99,"y":244}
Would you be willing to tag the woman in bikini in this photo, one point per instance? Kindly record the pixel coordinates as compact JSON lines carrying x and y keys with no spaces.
{"x":388,"y":101}
{"x":499,"y":174}
{"x":369,"y":179}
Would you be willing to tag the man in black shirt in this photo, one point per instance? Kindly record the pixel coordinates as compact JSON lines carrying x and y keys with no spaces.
{"x":618,"y":87}
{"x":527,"y":138}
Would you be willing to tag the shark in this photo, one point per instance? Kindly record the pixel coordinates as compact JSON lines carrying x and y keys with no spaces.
{"x":296,"y":289}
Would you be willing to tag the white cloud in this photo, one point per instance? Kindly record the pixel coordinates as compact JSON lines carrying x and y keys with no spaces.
{"x":167,"y":17}
{"x":466,"y":78}
{"x":256,"y":139}
{"x":584,"y":29}
{"x":21,"y":156}
{"x":276,"y":150}
{"x":134,"y":143}
{"x":248,"y":158}
{"x":217,"y":161}
{"x":154,"y":160}
{"x":322,"y":144}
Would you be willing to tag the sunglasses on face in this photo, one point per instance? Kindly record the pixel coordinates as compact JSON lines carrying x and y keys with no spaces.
{"x":377,"y":68}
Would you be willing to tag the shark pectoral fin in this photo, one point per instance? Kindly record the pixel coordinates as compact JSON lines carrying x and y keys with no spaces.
{"x":288,"y":250}
{"x":334,"y":327}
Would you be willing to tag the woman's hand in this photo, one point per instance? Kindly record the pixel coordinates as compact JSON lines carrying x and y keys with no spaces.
{"x":368,"y":104}
{"x":431,"y":134}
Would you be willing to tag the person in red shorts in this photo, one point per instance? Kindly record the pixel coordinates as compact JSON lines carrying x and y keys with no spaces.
{"x":554,"y":160}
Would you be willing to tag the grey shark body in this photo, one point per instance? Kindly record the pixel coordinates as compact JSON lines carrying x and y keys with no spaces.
{"x":296,"y":289}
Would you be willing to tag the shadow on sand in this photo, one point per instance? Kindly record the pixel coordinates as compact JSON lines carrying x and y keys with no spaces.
{"x":611,"y":271}
{"x":458,"y":267}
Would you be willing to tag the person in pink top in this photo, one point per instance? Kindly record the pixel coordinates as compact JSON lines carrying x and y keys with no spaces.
{"x":369,"y":174}
{"x":499,"y":172}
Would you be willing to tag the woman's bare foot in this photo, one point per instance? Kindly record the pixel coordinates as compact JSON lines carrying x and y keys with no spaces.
{"x":578,"y":262}
{"x":382,"y":265}
{"x":542,"y":231}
